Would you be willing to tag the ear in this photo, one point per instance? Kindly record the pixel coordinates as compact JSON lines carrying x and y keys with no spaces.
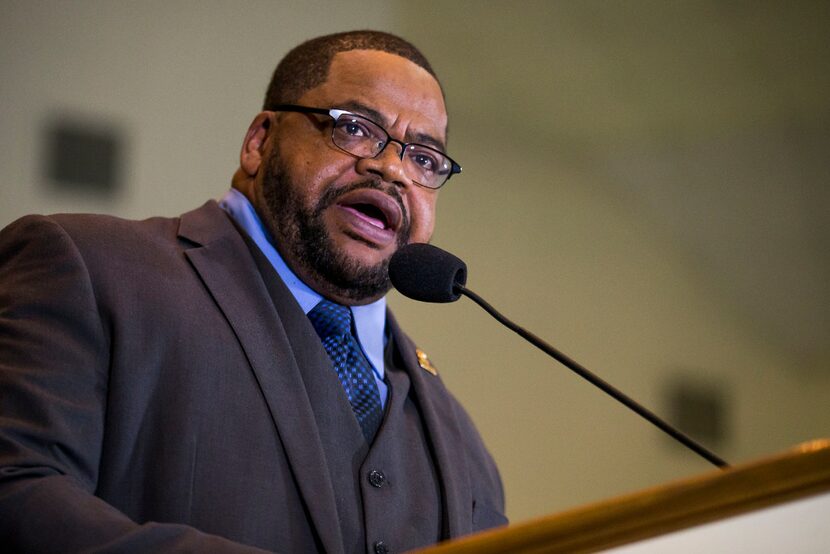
{"x":253,"y":147}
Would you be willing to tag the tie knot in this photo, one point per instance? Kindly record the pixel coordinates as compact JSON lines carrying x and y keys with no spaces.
{"x":329,"y":319}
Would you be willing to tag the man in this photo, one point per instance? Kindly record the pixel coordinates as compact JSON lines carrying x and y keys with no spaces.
{"x":171,"y":384}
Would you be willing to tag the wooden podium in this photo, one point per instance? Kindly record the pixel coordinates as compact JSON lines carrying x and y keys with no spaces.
{"x":780,"y":504}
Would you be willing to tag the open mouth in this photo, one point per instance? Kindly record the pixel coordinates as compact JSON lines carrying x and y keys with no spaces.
{"x":373,"y":207}
{"x":371,"y":216}
{"x":370,"y":213}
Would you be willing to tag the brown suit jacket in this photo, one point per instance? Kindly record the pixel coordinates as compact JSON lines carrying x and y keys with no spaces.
{"x":155,"y":396}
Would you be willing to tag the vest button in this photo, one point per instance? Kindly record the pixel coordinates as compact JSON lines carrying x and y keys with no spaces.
{"x":381,"y":548}
{"x":377,"y":479}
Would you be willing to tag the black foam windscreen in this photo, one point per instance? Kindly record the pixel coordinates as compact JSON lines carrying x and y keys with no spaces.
{"x":427,"y":273}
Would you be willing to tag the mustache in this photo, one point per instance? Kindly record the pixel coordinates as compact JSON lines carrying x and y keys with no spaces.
{"x":331,"y":196}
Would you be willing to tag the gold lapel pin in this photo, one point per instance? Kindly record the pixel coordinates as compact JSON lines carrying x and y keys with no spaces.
{"x":423,"y":361}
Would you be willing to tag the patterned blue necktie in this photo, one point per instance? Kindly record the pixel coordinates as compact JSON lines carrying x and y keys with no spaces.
{"x":333,"y":324}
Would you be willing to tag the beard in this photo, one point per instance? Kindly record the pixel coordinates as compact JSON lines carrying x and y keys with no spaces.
{"x":301,"y":235}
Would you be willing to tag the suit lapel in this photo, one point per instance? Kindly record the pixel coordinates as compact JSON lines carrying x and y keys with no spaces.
{"x":442,"y":429}
{"x":227,"y":269}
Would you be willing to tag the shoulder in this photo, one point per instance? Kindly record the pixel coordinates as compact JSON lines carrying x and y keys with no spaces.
{"x":112,"y":259}
{"x":93,"y":235}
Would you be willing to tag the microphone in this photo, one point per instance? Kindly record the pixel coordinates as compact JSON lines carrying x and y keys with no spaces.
{"x":427,"y":273}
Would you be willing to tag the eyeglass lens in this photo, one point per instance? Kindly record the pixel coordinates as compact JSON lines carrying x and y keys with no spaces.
{"x":362,"y":137}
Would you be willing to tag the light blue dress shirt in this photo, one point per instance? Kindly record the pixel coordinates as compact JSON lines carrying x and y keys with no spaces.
{"x":369,"y":320}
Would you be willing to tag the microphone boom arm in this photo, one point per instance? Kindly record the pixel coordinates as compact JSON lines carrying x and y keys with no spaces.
{"x":595,"y":380}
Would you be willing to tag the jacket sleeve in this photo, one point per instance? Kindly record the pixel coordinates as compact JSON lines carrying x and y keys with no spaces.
{"x":54,"y":360}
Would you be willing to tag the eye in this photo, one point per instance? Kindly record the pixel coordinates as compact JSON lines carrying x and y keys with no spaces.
{"x":424,"y":159}
{"x":352,"y":128}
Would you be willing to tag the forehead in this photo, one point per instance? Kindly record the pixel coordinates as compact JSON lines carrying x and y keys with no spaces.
{"x":407,"y":97}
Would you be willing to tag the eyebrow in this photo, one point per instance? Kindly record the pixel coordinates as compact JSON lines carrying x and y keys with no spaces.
{"x":377,"y":117}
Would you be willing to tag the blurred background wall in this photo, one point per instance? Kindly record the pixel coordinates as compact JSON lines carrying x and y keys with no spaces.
{"x":645,"y":185}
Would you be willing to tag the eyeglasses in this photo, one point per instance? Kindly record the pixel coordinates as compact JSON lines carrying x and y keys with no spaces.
{"x":362,"y":137}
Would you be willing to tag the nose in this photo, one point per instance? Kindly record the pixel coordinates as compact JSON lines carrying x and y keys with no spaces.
{"x":387,"y":165}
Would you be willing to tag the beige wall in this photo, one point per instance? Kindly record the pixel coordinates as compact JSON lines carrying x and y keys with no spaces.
{"x":555,"y":227}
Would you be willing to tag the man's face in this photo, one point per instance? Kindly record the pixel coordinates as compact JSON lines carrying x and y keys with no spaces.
{"x":338,"y":219}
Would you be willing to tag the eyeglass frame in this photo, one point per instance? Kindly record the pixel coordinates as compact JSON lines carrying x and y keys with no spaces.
{"x":336,"y":113}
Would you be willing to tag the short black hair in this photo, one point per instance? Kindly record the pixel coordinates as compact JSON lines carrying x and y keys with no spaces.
{"x":307,"y":65}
